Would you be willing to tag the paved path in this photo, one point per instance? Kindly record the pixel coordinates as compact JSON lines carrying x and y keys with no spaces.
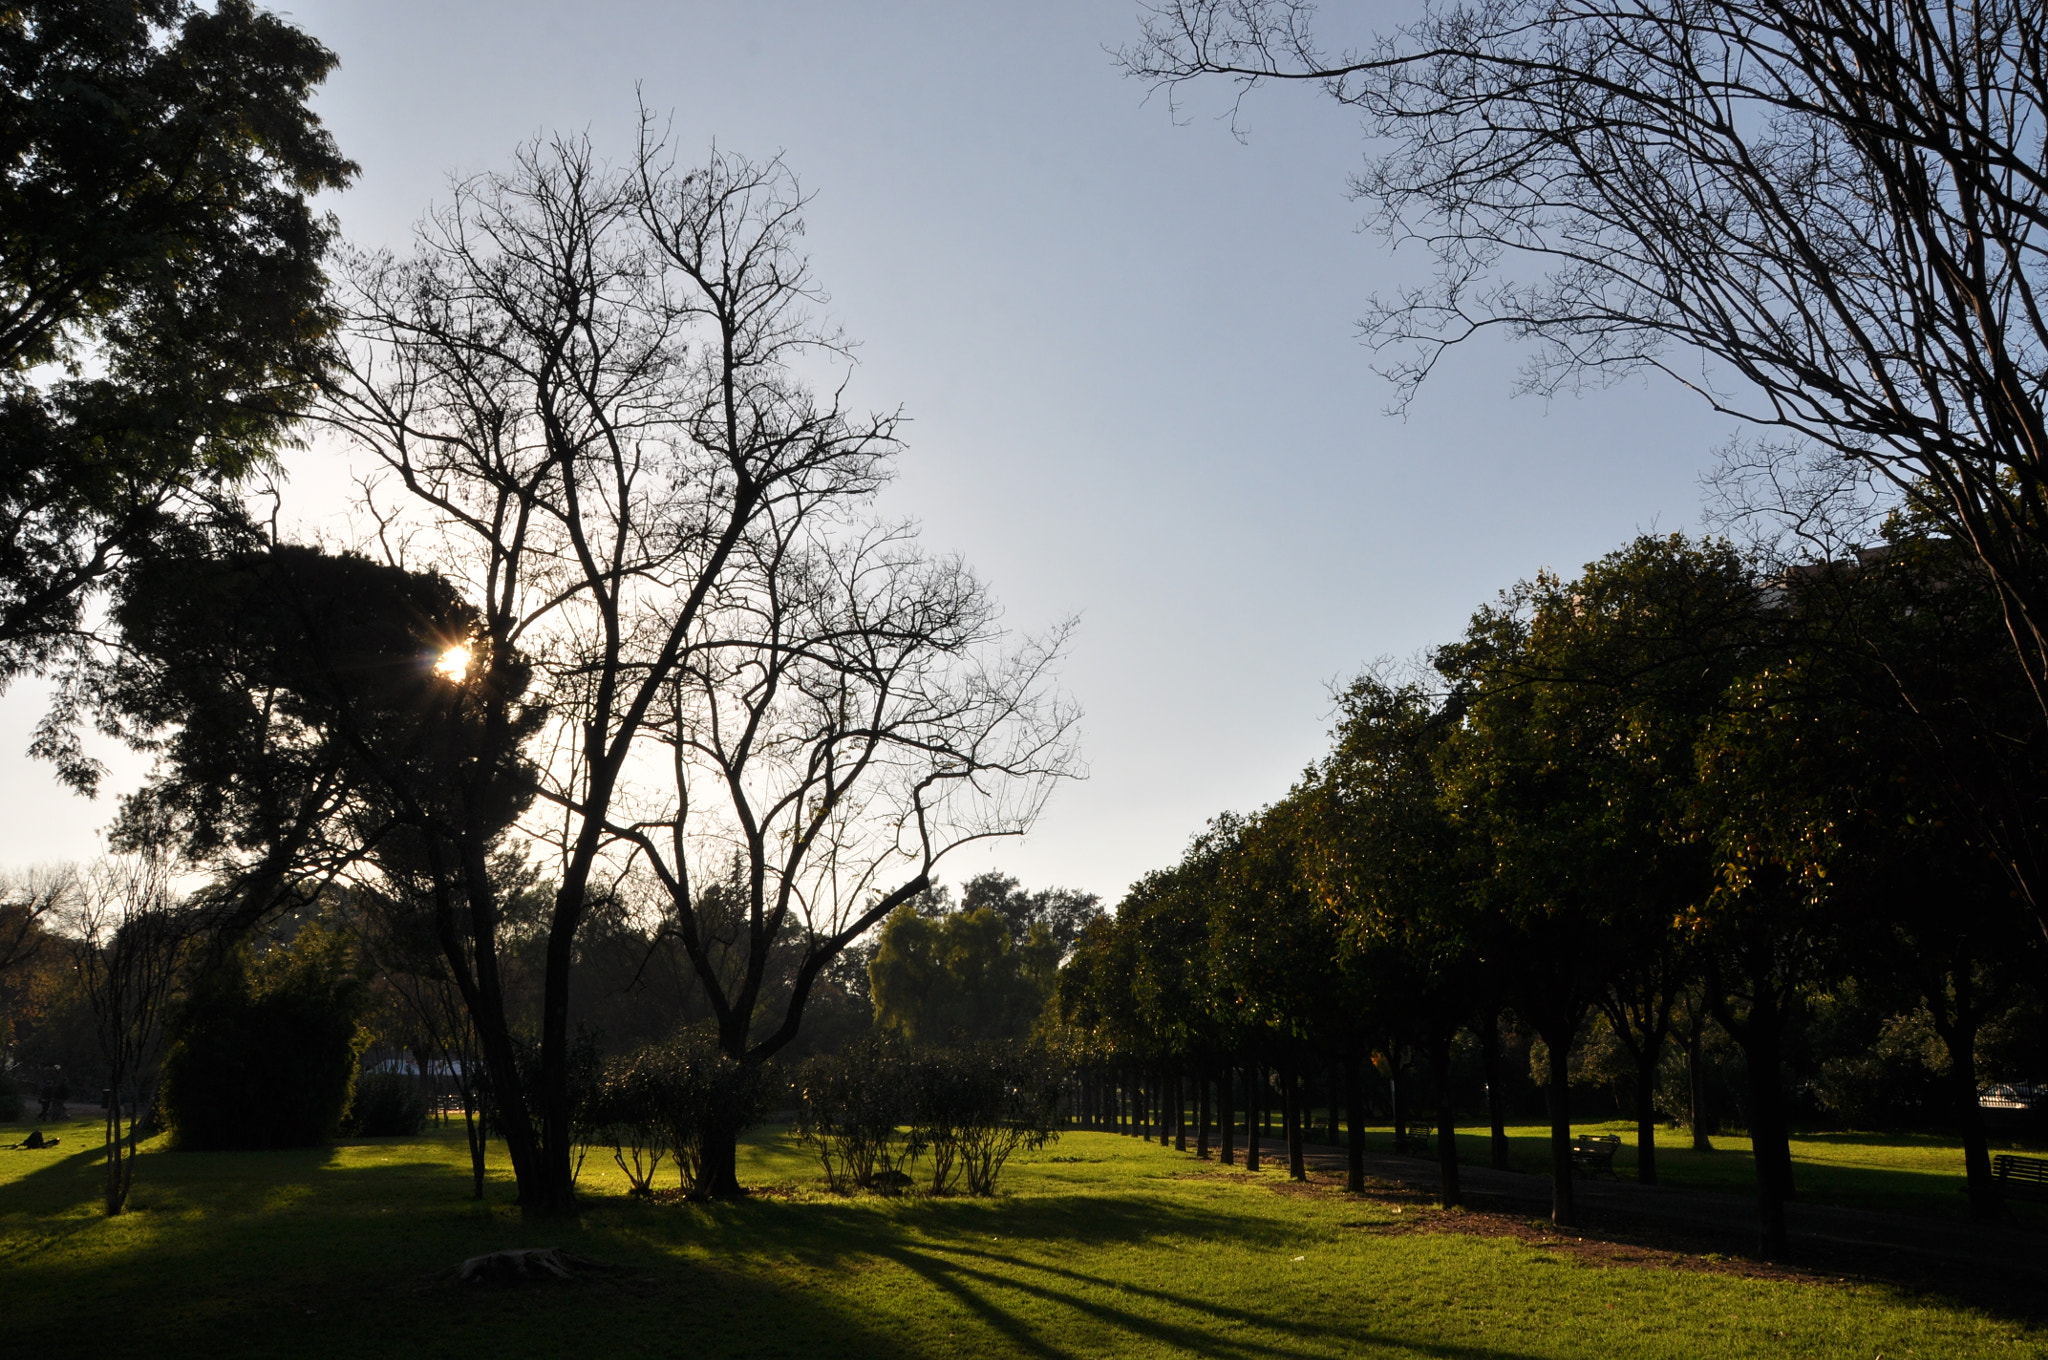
{"x":1951,"y":1242}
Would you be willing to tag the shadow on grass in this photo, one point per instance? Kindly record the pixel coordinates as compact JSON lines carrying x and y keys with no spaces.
{"x":358,"y":1264}
{"x":708,"y":1281}
{"x":58,"y":1171}
{"x":1038,"y":1307}
{"x":1193,"y":1325}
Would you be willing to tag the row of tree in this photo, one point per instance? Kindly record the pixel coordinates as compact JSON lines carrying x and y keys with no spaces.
{"x":1668,"y":789}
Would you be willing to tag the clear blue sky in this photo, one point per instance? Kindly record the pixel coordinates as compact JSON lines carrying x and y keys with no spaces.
{"x":1127,"y":347}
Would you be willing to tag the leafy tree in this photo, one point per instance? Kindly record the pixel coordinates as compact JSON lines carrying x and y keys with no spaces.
{"x":162,"y":309}
{"x":27,"y":900}
{"x":1274,"y":950}
{"x":1518,"y":786}
{"x":1388,"y":862}
{"x":1649,"y":639}
{"x":1899,"y":769}
{"x":1064,"y":912}
{"x":288,"y":692}
{"x":960,"y":978}
{"x":266,"y":1047}
{"x":1167,"y":919}
{"x":1584,"y":701}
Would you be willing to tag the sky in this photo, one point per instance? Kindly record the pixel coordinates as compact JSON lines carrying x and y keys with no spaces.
{"x":1126,"y":342}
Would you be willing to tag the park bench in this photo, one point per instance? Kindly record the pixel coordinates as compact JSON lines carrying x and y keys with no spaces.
{"x":1416,"y":1141}
{"x":1593,"y":1154}
{"x":2021,"y":1177}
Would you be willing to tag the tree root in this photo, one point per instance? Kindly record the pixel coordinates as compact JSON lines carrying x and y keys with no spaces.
{"x":523,"y":1265}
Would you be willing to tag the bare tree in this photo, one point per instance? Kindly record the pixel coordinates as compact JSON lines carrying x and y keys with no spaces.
{"x":592,"y":385}
{"x":1827,"y":217}
{"x":845,"y":720}
{"x":129,"y":934}
{"x":29,"y":899}
{"x":443,"y":1034}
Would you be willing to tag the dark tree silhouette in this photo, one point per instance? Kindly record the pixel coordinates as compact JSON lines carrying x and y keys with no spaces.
{"x":161,"y":295}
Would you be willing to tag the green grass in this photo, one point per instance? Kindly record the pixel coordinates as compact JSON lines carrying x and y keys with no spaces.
{"x":1100,"y":1246}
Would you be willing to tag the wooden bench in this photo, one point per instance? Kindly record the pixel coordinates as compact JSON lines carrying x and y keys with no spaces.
{"x":1593,"y":1154}
{"x":1416,"y":1142}
{"x":2021,"y":1177}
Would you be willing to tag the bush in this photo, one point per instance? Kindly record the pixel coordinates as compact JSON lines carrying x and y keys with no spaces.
{"x":662,"y":1102}
{"x":976,"y":1106}
{"x":874,"y":1110}
{"x":12,"y":1105}
{"x":1893,"y":1082}
{"x":851,"y":1107}
{"x":264,"y":1054}
{"x":387,"y":1105}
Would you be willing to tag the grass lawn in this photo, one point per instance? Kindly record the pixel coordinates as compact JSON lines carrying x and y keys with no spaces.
{"x":1100,"y":1246}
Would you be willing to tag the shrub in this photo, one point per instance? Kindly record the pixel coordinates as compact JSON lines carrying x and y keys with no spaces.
{"x":264,"y":1053}
{"x":12,"y":1106}
{"x":851,"y":1106}
{"x":976,"y":1106}
{"x":661,"y":1103}
{"x":875,"y":1109}
{"x":387,"y":1105}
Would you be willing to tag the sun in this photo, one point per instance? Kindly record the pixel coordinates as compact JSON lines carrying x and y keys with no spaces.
{"x":454,"y":664}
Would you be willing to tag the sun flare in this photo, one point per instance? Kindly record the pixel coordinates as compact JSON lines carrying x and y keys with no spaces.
{"x":454,"y":664}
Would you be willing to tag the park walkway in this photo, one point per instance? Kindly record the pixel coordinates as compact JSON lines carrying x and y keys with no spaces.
{"x":1812,"y":1229}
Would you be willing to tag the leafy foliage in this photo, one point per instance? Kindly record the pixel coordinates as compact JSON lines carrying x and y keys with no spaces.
{"x":266,"y":1049}
{"x":162,"y":308}
{"x":874,"y":1110}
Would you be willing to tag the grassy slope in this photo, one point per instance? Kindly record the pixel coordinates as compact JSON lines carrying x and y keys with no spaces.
{"x":1101,"y":1246}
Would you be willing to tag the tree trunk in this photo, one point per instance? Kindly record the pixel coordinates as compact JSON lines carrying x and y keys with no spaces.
{"x":1180,"y":1109}
{"x":1698,"y":1111}
{"x":1559,"y":1089}
{"x":1330,"y":1091}
{"x":120,"y":1151}
{"x":1446,"y":1122}
{"x":1770,"y":1139}
{"x":1496,"y":1111}
{"x":1202,"y":1111}
{"x":477,"y":1132}
{"x":1646,"y":1121}
{"x":1254,"y":1111}
{"x":1226,"y":1113}
{"x":1395,"y":1094}
{"x":1354,"y":1102}
{"x":557,"y":1177}
{"x":1291,"y":1121}
{"x":718,"y":1174}
{"x":1986,"y":1204}
{"x":483,"y":996}
{"x":1959,"y":1037}
{"x":1163,"y":1094}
